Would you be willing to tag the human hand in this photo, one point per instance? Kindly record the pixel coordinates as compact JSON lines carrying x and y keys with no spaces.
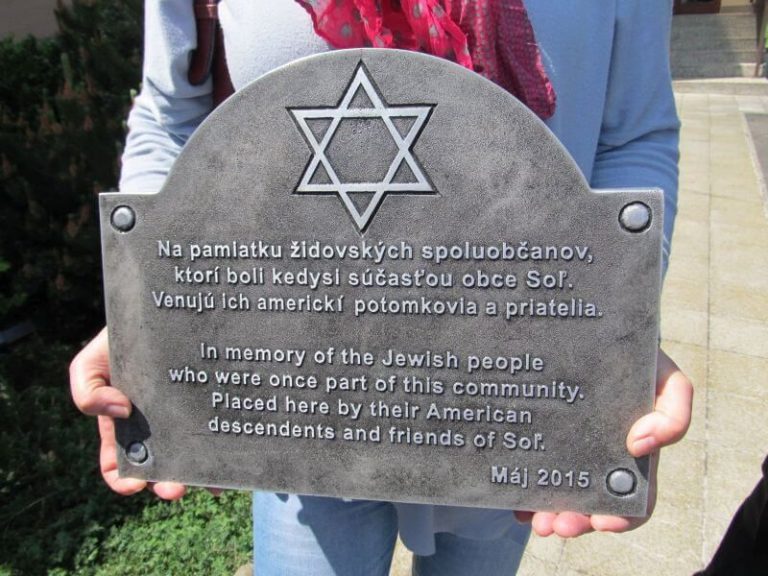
{"x":667,"y":424}
{"x":93,"y":395}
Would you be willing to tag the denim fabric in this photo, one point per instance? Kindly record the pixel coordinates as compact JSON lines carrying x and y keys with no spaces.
{"x":315,"y":536}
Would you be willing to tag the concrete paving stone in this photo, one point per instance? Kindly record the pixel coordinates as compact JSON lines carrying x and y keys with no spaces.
{"x":720,"y":116}
{"x":682,"y":292}
{"x":542,"y":556}
{"x":693,"y":149}
{"x":533,"y":566}
{"x":736,"y":423}
{"x":735,"y":299}
{"x":734,"y":167}
{"x":744,"y":189}
{"x":401,"y":561}
{"x":692,"y":236}
{"x":751,"y":104}
{"x":740,"y":335}
{"x":695,"y":248}
{"x":734,"y":186}
{"x":724,"y":133}
{"x":694,"y":119}
{"x":694,"y":106}
{"x":692,"y":202}
{"x":738,"y":237}
{"x":728,"y":128}
{"x":696,"y":103}
{"x":694,"y":175}
{"x":693,"y":360}
{"x":716,"y":100}
{"x":665,"y":546}
{"x":697,"y":133}
{"x":746,"y":250}
{"x":687,"y":326}
{"x":733,"y":260}
{"x":684,"y":263}
{"x":696,"y":180}
{"x":691,"y":195}
{"x":698,"y":158}
{"x":695,"y":128}
{"x":730,"y":147}
{"x":692,"y":215}
{"x":681,"y":478}
{"x":731,"y":272}
{"x":693,"y":113}
{"x":694,"y":116}
{"x":735,"y":212}
{"x":739,"y":374}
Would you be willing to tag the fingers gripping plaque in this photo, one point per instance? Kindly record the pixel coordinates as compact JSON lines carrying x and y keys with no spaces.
{"x":375,"y":274}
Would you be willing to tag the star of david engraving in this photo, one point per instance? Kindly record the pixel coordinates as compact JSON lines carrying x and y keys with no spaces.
{"x":374,"y":108}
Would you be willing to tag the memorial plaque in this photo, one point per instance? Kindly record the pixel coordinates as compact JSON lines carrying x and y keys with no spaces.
{"x":375,"y":274}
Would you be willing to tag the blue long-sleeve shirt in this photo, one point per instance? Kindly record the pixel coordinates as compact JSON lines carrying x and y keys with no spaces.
{"x":608,"y":62}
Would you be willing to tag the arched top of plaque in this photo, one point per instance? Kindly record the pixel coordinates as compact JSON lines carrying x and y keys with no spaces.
{"x":376,"y":138}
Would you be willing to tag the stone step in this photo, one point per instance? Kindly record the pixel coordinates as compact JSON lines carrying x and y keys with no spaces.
{"x":704,"y":41}
{"x":722,"y":23}
{"x":714,"y":45}
{"x":730,"y":86}
{"x":713,"y":70}
{"x":720,"y":56}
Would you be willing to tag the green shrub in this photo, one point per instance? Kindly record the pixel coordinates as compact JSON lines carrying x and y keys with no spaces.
{"x":199,"y":534}
{"x":52,"y":498}
{"x":62,"y":107}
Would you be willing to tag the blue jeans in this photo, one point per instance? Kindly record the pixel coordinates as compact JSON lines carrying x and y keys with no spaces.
{"x":314,"y":536}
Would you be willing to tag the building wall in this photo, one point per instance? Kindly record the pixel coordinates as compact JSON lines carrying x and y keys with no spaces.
{"x":21,"y":17}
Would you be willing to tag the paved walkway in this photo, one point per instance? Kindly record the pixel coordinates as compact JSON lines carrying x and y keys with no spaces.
{"x":715,"y":325}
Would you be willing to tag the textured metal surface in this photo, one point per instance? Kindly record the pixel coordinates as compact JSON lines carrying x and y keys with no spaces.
{"x":463,"y":320}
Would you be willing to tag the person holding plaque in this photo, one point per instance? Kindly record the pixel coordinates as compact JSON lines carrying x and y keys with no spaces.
{"x":596,"y":73}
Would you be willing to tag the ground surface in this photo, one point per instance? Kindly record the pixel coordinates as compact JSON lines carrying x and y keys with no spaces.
{"x":715,"y":325}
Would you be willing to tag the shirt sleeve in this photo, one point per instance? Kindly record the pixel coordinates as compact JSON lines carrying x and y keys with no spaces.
{"x":168,"y":109}
{"x":639,"y":137}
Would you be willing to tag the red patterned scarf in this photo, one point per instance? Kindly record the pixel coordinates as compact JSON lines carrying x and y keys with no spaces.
{"x":491,"y":37}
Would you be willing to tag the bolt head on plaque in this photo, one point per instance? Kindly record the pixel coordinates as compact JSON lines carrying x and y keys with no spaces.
{"x":621,"y":482}
{"x":635,"y":217}
{"x":374,"y":274}
{"x":137,"y":453}
{"x":123,"y":218}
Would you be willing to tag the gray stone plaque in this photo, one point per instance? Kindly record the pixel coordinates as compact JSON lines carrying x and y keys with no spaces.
{"x":375,"y":274}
